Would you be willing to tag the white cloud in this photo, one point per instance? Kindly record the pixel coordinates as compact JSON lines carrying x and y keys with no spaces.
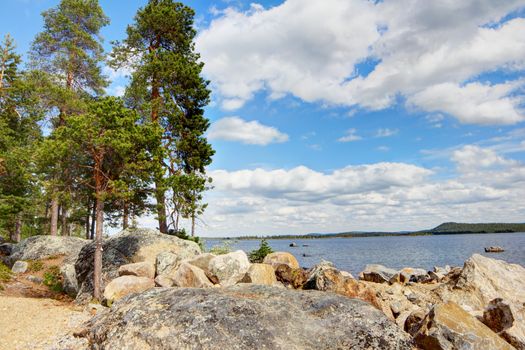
{"x":351,"y":135}
{"x":473,"y":158}
{"x":420,"y":45}
{"x":240,"y":130}
{"x":386,"y":132}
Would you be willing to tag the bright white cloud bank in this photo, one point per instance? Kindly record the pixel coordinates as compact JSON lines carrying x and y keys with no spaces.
{"x":382,"y":196}
{"x":427,"y":51}
{"x":251,"y":133}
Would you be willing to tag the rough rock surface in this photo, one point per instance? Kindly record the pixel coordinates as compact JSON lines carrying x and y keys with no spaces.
{"x":229,"y":268}
{"x":245,"y":316}
{"x":6,"y":249}
{"x":377,"y":273}
{"x":164,"y":281}
{"x":165,"y":262}
{"x":20,"y":267}
{"x":129,"y":246}
{"x":448,"y":326}
{"x":42,"y":247}
{"x":260,"y":274}
{"x":289,"y":276}
{"x":190,"y":276}
{"x":279,"y":258}
{"x":202,"y":261}
{"x":409,"y":274}
{"x":69,"y":279}
{"x":124,"y":285}
{"x":140,"y":269}
{"x":507,"y":320}
{"x":484,"y":279}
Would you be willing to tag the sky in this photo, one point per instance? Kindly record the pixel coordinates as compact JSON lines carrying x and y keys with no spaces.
{"x":349,"y":115}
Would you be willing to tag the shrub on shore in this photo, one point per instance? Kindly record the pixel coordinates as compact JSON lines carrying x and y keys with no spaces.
{"x":258,"y":255}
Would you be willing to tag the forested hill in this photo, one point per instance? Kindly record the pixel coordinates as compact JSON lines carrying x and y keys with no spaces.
{"x":454,"y":227}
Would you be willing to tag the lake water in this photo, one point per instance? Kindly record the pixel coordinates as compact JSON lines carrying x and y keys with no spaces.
{"x":352,"y":254}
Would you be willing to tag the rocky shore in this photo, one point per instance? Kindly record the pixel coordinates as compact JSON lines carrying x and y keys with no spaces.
{"x":161,"y":292}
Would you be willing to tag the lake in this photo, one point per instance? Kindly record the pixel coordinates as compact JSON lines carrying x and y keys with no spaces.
{"x":352,"y":254}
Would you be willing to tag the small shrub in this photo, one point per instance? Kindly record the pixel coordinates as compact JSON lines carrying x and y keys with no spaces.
{"x":53,"y":279}
{"x":223,"y":248}
{"x":35,"y":266}
{"x":5,"y":273}
{"x":258,"y":255}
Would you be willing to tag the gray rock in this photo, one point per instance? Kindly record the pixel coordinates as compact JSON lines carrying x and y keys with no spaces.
{"x":165,"y":262}
{"x":69,"y":279}
{"x":42,"y":247}
{"x":229,"y":268}
{"x":35,"y":279}
{"x":245,"y":316}
{"x":377,"y":273}
{"x":129,"y":246}
{"x":20,"y":267}
{"x":6,"y":249}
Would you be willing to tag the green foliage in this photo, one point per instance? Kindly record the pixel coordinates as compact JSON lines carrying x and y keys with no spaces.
{"x":223,"y":248}
{"x":453,"y":227}
{"x":258,"y":255}
{"x":5,"y":273}
{"x":35,"y":266}
{"x":181,"y":233}
{"x":53,"y":279}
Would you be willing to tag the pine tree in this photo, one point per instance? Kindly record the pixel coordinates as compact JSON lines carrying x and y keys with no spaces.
{"x":167,"y":89}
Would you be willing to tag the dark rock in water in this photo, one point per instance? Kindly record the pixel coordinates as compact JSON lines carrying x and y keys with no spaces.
{"x":243,"y":317}
{"x":42,"y":247}
{"x":129,"y":246}
{"x":293,"y":244}
{"x":494,"y":250}
{"x":306,"y":245}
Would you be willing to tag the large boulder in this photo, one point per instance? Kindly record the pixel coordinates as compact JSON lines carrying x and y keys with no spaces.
{"x":43,"y":247}
{"x":202,"y":261}
{"x":260,"y":274}
{"x":229,"y":268}
{"x":190,"y":276}
{"x":507,"y":320}
{"x":125,"y":285}
{"x":166,"y":262}
{"x":140,"y":269}
{"x":279,"y":258}
{"x":290,"y":277}
{"x":129,"y":246}
{"x":483,"y":280}
{"x":448,"y":327}
{"x":377,"y":273}
{"x":244,"y":316}
{"x":69,"y":279}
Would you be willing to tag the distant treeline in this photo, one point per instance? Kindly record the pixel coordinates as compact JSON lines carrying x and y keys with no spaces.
{"x":445,"y":228}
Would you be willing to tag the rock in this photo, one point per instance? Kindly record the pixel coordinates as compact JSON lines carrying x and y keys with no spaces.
{"x":260,"y":274}
{"x":244,"y":316}
{"x":35,"y":279}
{"x":506,"y":320}
{"x":409,"y":274}
{"x":202,"y":261}
{"x":494,"y":250}
{"x":164,"y":281}
{"x":69,"y":279}
{"x":448,"y":326}
{"x":278,"y":258}
{"x":165,"y":262}
{"x":377,"y":273}
{"x":129,"y":246}
{"x":413,"y":321}
{"x":190,"y":276}
{"x":140,"y":269}
{"x":43,"y":247}
{"x":124,"y":285}
{"x":20,"y":267}
{"x":293,"y":245}
{"x":6,"y":249}
{"x":229,"y":268}
{"x":482,"y":280}
{"x":290,"y":277}
{"x":325,"y":277}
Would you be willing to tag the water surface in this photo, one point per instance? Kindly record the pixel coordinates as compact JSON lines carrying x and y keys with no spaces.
{"x":352,"y":254}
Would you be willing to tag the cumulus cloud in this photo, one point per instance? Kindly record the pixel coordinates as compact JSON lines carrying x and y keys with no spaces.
{"x":351,"y":135}
{"x":386,"y":132}
{"x":247,"y":132}
{"x":472,"y":158}
{"x":419,"y":47}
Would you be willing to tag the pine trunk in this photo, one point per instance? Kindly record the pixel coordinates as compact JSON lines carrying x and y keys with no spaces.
{"x":93,"y":221}
{"x":161,"y":209}
{"x":193,"y":225}
{"x":97,"y":275}
{"x":16,"y":233}
{"x":65,"y":227}
{"x":54,"y":217}
{"x":125,"y":215}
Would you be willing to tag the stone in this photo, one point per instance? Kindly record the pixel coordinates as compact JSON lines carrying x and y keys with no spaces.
{"x":129,"y":246}
{"x":260,"y":274}
{"x":507,"y":320}
{"x":448,"y":326}
{"x":278,"y":258}
{"x":244,"y":316}
{"x":190,"y":276}
{"x":69,"y":279}
{"x":20,"y":267}
{"x":165,"y":262}
{"x":290,"y":277}
{"x":140,"y":269}
{"x":413,"y":321}
{"x":409,"y":274}
{"x":35,"y":279}
{"x":482,"y":280}
{"x":377,"y":273}
{"x":164,"y":281}
{"x":229,"y":268}
{"x":6,"y":249}
{"x":125,"y":285}
{"x":43,"y":247}
{"x":202,"y":261}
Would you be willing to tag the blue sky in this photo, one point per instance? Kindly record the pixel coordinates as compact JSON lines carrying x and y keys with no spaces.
{"x":348,"y":115}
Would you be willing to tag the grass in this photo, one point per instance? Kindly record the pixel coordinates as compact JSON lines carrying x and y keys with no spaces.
{"x":35,"y":266}
{"x":221,"y":249}
{"x":5,"y":275}
{"x":53,"y":279}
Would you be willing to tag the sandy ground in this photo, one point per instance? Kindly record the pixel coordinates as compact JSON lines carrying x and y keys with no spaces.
{"x":29,"y":323}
